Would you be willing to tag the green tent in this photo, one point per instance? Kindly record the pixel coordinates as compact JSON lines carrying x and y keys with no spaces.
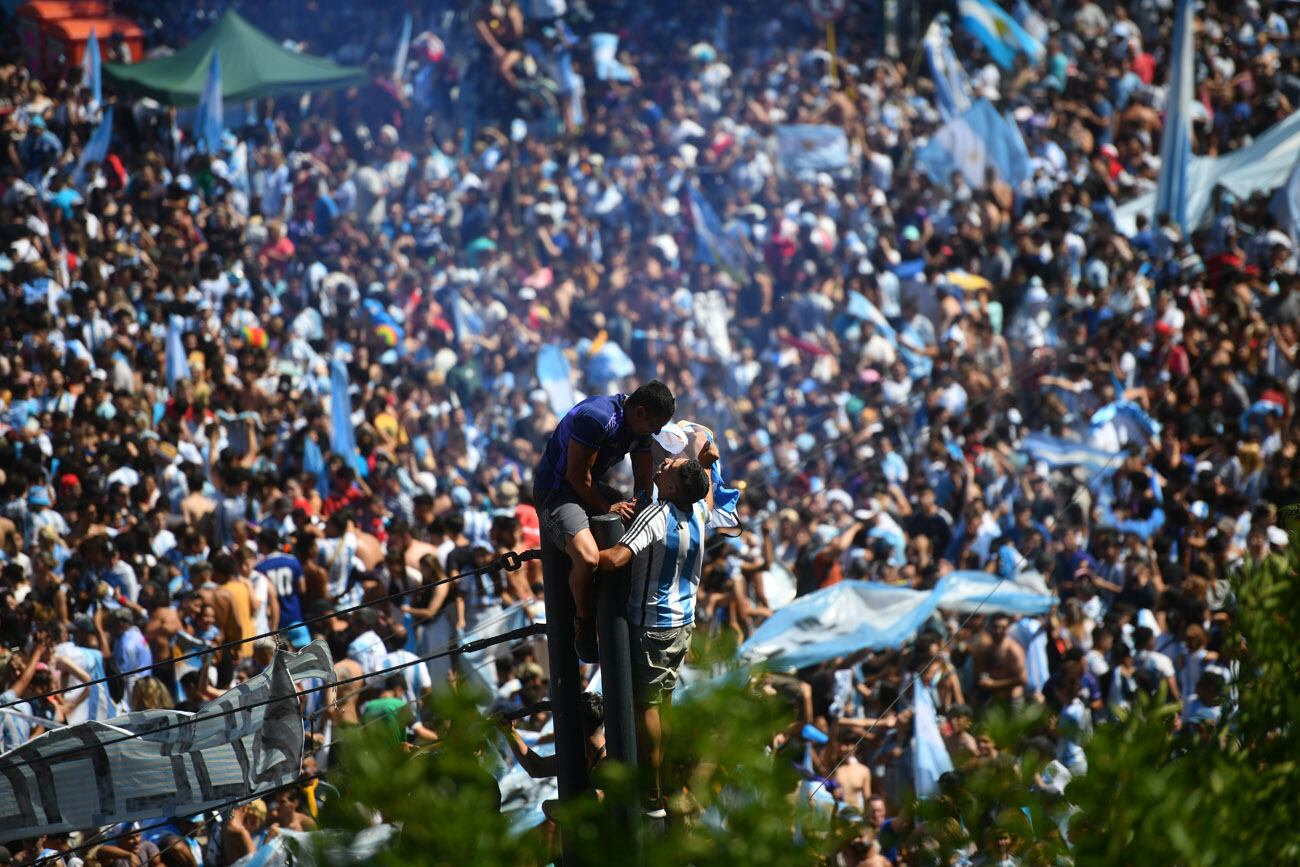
{"x":253,"y":65}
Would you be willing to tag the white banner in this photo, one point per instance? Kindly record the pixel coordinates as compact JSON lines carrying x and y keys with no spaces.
{"x":161,"y":763}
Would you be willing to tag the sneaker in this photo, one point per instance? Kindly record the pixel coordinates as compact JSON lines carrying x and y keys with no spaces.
{"x":584,"y":639}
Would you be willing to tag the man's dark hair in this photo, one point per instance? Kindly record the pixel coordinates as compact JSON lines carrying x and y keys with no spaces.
{"x":593,"y":712}
{"x":656,"y":398}
{"x":694,"y":480}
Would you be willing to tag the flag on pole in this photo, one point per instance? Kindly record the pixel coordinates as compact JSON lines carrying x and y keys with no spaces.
{"x":209,"y":120}
{"x":952,"y":90}
{"x":972,"y":143}
{"x":178,"y":366}
{"x":96,"y":149}
{"x":930,"y":759}
{"x":1176,"y":141}
{"x":1035,"y":25}
{"x":403,"y":50}
{"x":998,"y":32}
{"x":90,"y":70}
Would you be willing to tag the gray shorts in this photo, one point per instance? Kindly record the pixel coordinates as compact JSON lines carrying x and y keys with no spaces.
{"x":561,"y":515}
{"x":657,"y":656}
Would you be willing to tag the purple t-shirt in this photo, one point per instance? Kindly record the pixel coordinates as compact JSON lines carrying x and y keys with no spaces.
{"x":597,"y":422}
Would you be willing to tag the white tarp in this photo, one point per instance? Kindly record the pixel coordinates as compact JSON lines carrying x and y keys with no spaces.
{"x":160,"y":763}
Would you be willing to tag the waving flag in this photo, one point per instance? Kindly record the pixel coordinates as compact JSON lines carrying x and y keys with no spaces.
{"x":952,"y":90}
{"x":554,"y":375}
{"x":998,"y":32}
{"x":96,"y":149}
{"x":178,"y":366}
{"x":403,"y":49}
{"x":930,"y":759}
{"x":978,"y":140}
{"x":714,"y":245}
{"x":90,"y":70}
{"x":209,"y":120}
{"x":1035,"y":25}
{"x":1176,"y":141}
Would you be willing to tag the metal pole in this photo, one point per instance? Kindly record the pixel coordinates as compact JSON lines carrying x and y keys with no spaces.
{"x":616,"y":675}
{"x":566,"y":687}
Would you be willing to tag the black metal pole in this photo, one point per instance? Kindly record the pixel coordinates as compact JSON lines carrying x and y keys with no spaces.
{"x":566,"y":686}
{"x":616,"y":675}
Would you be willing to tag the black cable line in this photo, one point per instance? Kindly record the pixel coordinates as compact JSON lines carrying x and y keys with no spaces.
{"x":511,"y":561}
{"x":467,"y":647}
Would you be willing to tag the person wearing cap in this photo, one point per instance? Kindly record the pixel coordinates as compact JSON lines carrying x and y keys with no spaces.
{"x":569,"y":482}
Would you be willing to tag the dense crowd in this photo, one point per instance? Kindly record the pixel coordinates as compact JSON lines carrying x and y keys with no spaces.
{"x":475,"y":276}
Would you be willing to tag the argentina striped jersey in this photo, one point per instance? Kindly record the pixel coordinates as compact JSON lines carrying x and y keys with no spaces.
{"x":663,"y":595}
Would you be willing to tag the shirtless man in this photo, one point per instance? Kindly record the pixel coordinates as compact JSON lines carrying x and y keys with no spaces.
{"x":852,"y":777}
{"x":1000,"y":668}
{"x":400,"y":538}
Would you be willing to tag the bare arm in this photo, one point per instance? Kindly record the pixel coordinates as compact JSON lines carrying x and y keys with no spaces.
{"x":577,"y":472}
{"x":614,"y":558}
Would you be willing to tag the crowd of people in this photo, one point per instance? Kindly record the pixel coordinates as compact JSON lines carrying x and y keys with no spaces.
{"x":516,"y":223}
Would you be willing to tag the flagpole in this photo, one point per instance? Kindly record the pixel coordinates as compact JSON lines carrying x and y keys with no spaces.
{"x":830,"y":47}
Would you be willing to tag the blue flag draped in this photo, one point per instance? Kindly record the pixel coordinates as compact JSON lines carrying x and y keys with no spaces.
{"x":314,"y":462}
{"x":930,"y":759}
{"x":1176,"y":141}
{"x":91,"y":75}
{"x":178,"y":365}
{"x":210,"y":119}
{"x":343,"y":440}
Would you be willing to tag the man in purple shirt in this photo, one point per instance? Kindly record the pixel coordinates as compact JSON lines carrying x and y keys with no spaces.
{"x":568,"y":483}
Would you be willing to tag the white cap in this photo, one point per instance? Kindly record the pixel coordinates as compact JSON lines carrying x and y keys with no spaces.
{"x":672,"y":438}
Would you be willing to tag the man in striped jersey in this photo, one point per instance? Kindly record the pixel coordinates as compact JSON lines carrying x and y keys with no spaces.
{"x":661,"y":601}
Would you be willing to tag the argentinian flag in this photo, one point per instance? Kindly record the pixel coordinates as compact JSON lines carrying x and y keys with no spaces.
{"x":999,"y":33}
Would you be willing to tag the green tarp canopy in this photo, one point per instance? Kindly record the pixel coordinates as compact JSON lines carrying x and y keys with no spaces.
{"x":253,"y":65}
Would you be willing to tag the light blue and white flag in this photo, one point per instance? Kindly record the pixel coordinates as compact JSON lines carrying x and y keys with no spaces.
{"x":1285,"y":204}
{"x":403,"y":50}
{"x":210,"y":119}
{"x":178,"y":365}
{"x":1060,"y":452}
{"x":867,"y":615}
{"x":714,"y":245}
{"x":554,"y":376}
{"x":604,"y":57}
{"x":930,"y":759}
{"x":998,"y":32}
{"x":952,"y":90}
{"x":978,"y":140}
{"x":805,"y":149}
{"x":96,"y":149}
{"x":343,"y":439}
{"x":91,"y":75}
{"x":1176,"y":140}
{"x":1035,"y":25}
{"x":1121,"y":423}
